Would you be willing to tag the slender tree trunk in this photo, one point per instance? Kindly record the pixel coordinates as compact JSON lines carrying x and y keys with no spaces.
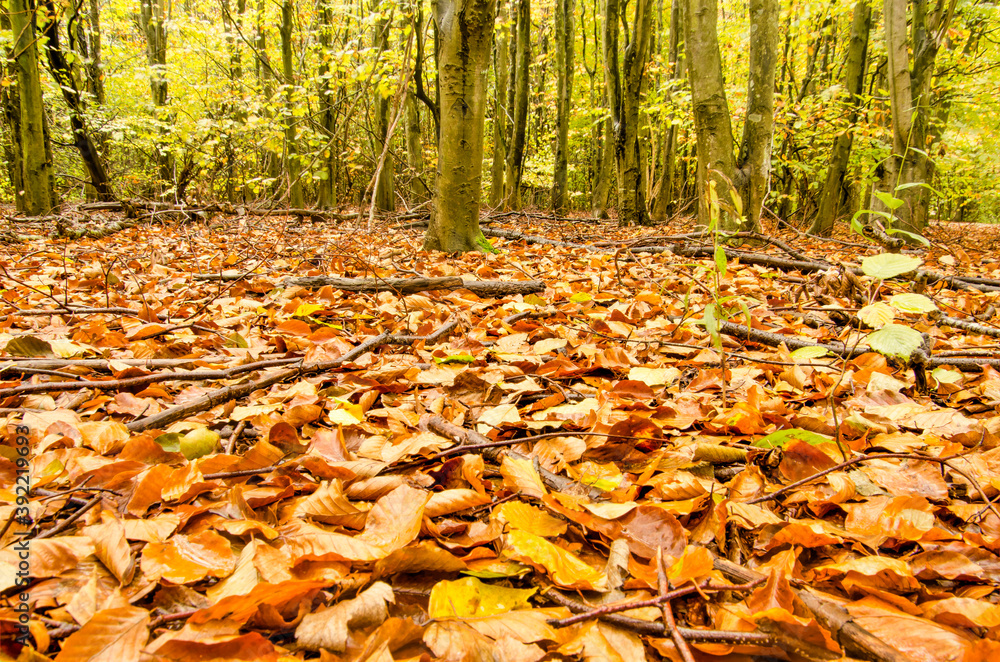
{"x":11,"y":104}
{"x":665,"y":189}
{"x":605,"y":171}
{"x":39,"y":196}
{"x":716,"y":164}
{"x":909,"y":168}
{"x":153,"y":15}
{"x":385,"y":193}
{"x":624,"y":95}
{"x":854,"y":76}
{"x":465,"y":36}
{"x":326,"y":192}
{"x":501,"y":124}
{"x":415,"y":152}
{"x":565,"y":47}
{"x":65,"y":77}
{"x":520,"y":72}
{"x":292,"y":166}
{"x":758,"y":127}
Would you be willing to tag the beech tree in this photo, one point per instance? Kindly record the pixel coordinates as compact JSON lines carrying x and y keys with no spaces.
{"x":565,"y":47}
{"x":854,"y":73}
{"x":624,"y":84}
{"x":464,"y":39}
{"x":517,"y":104}
{"x":749,"y":174}
{"x":911,"y":59}
{"x":36,"y":177}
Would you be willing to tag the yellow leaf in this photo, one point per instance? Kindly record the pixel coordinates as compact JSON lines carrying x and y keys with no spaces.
{"x":470,"y":598}
{"x":563,"y":567}
{"x":524,"y":516}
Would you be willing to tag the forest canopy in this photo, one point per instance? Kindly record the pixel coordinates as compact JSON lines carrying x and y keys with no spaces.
{"x":828,"y":108}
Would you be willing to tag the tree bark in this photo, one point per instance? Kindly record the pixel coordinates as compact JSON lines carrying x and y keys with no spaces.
{"x":565,"y":47}
{"x":385,"y":192}
{"x":758,"y":127}
{"x":908,"y":168}
{"x":153,"y":16}
{"x":465,"y":36}
{"x":605,"y":169}
{"x":36,"y":159}
{"x":292,"y":165}
{"x":520,"y":71}
{"x":65,"y":78}
{"x":326,"y":194}
{"x":415,"y":152}
{"x":624,"y":95}
{"x":665,"y":188}
{"x":501,"y":123}
{"x":854,"y":76}
{"x":716,"y":164}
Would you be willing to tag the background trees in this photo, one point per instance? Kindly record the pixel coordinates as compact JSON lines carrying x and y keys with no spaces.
{"x":809,"y":110}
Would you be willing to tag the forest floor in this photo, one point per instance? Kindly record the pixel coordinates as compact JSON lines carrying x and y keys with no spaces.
{"x":571,"y":463}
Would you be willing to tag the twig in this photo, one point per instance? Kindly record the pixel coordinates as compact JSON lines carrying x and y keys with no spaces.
{"x":668,"y":612}
{"x":69,"y":521}
{"x":659,"y":630}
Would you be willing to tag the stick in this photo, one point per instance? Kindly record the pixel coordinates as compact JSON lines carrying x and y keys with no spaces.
{"x":227,"y":393}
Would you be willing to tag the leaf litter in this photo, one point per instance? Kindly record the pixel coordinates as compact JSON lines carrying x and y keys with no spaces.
{"x":228,"y":466}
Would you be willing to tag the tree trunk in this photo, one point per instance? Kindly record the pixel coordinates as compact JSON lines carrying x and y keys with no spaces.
{"x":605,"y":168}
{"x":565,"y":46}
{"x":854,"y":76}
{"x":665,"y":188}
{"x":465,"y":36}
{"x":326,"y":193}
{"x":758,"y":127}
{"x":501,"y":124}
{"x":415,"y":152}
{"x":716,"y":164}
{"x":624,"y":95}
{"x":292,"y":166}
{"x":153,"y":16}
{"x":520,"y":72}
{"x":36,"y":159}
{"x":11,"y":103}
{"x":385,"y":193}
{"x":908,"y":169}
{"x":65,"y":78}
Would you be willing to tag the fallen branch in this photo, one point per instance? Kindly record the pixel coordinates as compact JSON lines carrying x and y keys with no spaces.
{"x":227,"y":393}
{"x":659,"y":629}
{"x":851,"y":636}
{"x":494,"y":453}
{"x":142,"y":380}
{"x":482,"y":288}
{"x":770,"y":339}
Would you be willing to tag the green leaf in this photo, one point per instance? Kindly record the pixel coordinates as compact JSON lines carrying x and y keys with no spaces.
{"x":876,"y":315}
{"x":808,"y":353}
{"x":909,"y":235}
{"x":455,"y":358}
{"x":782,"y":438}
{"x":946,"y":376}
{"x":29,"y":346}
{"x":720,"y":261}
{"x":170,"y":441}
{"x":711,"y":323}
{"x":889,"y":265}
{"x":236,"y":340}
{"x":912,"y":303}
{"x":895,"y":340}
{"x":890,"y":201}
